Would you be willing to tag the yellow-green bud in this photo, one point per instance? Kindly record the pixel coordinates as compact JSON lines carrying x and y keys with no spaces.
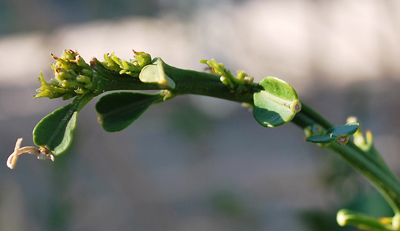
{"x":87,"y":72}
{"x":80,"y":91}
{"x":83,"y":79}
{"x":142,"y":58}
{"x":72,"y":74}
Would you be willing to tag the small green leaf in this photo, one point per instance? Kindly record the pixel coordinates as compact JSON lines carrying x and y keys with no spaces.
{"x":154,"y":73}
{"x":339,"y":134}
{"x":55,"y":131}
{"x":116,"y":111}
{"x":276,"y":104}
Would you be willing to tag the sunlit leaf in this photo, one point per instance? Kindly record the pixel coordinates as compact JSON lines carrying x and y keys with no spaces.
{"x":154,"y":73}
{"x":276,"y":104}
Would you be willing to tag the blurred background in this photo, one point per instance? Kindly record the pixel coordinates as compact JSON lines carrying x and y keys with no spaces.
{"x":196,"y":163}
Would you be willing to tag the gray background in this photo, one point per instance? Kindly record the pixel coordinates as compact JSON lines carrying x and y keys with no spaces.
{"x":195,"y":163}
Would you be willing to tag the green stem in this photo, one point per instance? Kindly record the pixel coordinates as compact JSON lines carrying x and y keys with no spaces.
{"x":187,"y":82}
{"x":200,"y":83}
{"x":347,"y":217}
{"x":315,"y":116}
{"x":388,"y":186}
{"x":106,"y":80}
{"x":378,"y":173}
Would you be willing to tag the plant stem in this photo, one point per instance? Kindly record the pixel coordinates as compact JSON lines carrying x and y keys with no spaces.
{"x":378,"y":173}
{"x":200,"y":83}
{"x":347,"y":217}
{"x":187,"y":82}
{"x":107,"y":80}
{"x":387,"y":185}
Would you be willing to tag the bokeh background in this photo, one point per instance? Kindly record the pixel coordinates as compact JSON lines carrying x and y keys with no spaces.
{"x":196,"y":163}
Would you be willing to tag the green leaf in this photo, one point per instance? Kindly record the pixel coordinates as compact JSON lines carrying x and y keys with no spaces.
{"x":55,"y":131}
{"x":116,"y":111}
{"x":154,"y":73}
{"x":276,"y":104}
{"x":339,"y":134}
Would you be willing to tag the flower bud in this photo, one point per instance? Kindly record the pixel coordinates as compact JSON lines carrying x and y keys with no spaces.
{"x":83,"y":79}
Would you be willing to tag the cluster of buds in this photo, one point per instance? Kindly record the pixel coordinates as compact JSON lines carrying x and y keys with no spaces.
{"x":131,"y":67}
{"x":241,"y":83}
{"x":244,"y":81}
{"x":73,"y":76}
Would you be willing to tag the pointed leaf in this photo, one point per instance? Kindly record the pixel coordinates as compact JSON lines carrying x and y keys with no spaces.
{"x":276,"y":104}
{"x":116,"y":111}
{"x":335,"y":134}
